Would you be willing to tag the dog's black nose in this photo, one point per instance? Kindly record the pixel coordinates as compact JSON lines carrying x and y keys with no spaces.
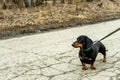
{"x":73,"y":44}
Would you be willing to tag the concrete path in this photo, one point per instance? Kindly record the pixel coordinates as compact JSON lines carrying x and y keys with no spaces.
{"x":50,"y":56}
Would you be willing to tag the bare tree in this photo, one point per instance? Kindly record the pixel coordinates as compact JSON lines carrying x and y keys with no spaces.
{"x":77,"y":6}
{"x":89,"y":0}
{"x":62,"y":1}
{"x":45,"y":2}
{"x":4,"y":4}
{"x":54,"y":2}
{"x":70,"y":1}
{"x":21,"y":4}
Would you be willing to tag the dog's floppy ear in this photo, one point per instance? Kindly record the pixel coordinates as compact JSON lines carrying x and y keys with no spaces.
{"x":88,"y":42}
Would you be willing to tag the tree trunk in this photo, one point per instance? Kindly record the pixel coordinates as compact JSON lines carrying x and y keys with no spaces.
{"x":21,"y":4}
{"x":77,"y":6}
{"x":89,"y":0}
{"x":27,"y":3}
{"x":70,"y":1}
{"x":62,"y":1}
{"x":45,"y":2}
{"x":54,"y":2}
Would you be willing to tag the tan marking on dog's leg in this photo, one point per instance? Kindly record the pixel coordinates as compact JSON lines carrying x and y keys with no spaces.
{"x":104,"y":58}
{"x":92,"y":67}
{"x":90,"y":59}
{"x":84,"y":66}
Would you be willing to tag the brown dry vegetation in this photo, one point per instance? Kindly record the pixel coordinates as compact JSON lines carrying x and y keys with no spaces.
{"x":31,"y":20}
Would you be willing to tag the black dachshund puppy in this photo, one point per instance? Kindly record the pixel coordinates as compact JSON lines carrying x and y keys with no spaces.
{"x":89,"y":50}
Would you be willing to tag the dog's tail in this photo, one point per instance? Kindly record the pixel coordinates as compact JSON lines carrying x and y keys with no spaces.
{"x":106,"y":50}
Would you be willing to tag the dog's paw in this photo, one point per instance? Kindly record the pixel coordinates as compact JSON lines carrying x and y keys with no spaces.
{"x":93,"y":67}
{"x":84,"y":68}
{"x":104,"y":61}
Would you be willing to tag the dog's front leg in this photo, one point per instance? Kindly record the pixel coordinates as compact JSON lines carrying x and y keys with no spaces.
{"x":84,"y":66}
{"x":92,"y":66}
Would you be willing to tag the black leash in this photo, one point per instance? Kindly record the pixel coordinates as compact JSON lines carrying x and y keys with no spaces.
{"x":110,"y":34}
{"x":104,"y":38}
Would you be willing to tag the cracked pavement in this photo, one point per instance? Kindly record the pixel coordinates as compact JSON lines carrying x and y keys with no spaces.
{"x":50,"y":56}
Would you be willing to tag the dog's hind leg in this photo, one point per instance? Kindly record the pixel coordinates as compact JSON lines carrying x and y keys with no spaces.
{"x":103,"y":51}
{"x":104,"y":58}
{"x":104,"y":55}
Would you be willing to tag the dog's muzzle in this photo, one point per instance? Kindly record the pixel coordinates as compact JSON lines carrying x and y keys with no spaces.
{"x":76,"y":45}
{"x":73,"y":44}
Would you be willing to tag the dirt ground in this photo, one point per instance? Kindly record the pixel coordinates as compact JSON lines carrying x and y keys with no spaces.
{"x":38,"y":19}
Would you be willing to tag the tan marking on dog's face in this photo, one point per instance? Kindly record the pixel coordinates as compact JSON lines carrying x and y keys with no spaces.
{"x":76,"y":45}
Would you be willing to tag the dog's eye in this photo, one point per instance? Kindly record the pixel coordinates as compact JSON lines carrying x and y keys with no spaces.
{"x":79,"y":41}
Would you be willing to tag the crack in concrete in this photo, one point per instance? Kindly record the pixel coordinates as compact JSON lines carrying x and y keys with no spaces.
{"x":50,"y":77}
{"x":114,"y":55}
{"x":62,"y":74}
{"x":97,"y":72}
{"x":65,"y":52}
{"x":63,"y":57}
{"x":18,"y":75}
{"x":71,"y":60}
{"x":118,"y":77}
{"x":5,"y":68}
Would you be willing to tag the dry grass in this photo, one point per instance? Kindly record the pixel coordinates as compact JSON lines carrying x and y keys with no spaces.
{"x":37,"y":19}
